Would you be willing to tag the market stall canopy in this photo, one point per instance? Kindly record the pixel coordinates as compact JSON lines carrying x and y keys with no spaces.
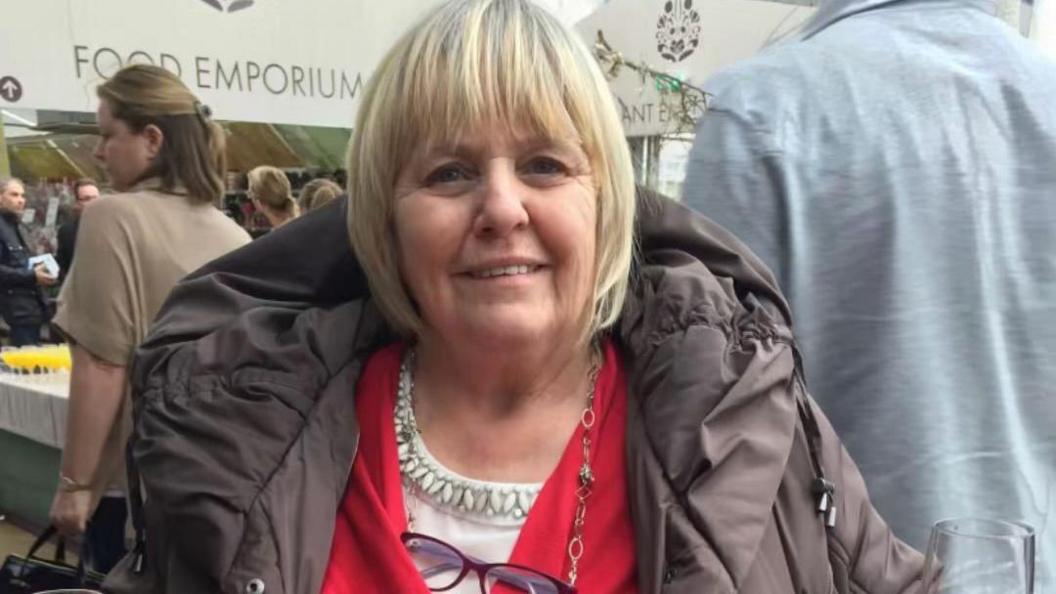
{"x":69,"y":155}
{"x":688,"y":39}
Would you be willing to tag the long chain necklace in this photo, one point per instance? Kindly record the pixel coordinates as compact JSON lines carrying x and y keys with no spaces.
{"x":586,"y":479}
{"x":423,"y":478}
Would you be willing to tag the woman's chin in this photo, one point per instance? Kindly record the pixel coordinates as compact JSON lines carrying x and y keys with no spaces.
{"x":508,"y":332}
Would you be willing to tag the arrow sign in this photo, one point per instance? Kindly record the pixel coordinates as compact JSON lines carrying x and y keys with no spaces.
{"x":10,"y":89}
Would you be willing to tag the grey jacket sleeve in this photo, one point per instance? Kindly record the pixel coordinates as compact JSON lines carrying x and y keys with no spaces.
{"x":865,"y":555}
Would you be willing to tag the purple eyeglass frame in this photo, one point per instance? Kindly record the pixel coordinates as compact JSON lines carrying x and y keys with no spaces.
{"x":481,"y":568}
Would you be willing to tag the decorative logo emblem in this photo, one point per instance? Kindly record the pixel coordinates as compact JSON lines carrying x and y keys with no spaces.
{"x":229,"y":5}
{"x":678,"y":30}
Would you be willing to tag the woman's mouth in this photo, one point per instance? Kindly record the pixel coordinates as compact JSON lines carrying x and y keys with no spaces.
{"x":513,"y":270}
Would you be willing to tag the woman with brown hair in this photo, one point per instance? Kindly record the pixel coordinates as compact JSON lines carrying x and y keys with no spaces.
{"x":164,"y":155}
{"x":271,"y":193}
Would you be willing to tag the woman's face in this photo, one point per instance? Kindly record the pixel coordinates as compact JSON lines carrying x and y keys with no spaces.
{"x":126,"y":155}
{"x":496,"y":238}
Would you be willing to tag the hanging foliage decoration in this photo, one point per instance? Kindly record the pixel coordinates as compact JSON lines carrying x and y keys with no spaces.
{"x":685,"y":102}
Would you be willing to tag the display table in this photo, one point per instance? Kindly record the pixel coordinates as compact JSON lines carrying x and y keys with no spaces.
{"x":35,"y":408}
{"x":32,"y":431}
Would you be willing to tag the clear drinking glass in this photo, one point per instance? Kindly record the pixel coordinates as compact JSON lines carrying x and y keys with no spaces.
{"x":980,"y":556}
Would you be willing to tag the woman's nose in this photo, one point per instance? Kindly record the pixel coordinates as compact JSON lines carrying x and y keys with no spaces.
{"x":502,"y":209}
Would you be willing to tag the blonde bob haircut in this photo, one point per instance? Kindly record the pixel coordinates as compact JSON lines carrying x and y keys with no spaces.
{"x":469,"y":65}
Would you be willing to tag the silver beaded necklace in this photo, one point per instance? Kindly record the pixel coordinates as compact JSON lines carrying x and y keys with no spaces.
{"x":426,"y":477}
{"x":421,"y":474}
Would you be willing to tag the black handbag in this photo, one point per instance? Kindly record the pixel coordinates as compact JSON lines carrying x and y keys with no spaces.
{"x":29,"y":574}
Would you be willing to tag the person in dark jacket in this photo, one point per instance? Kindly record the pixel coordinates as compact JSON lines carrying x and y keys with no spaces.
{"x":84,"y":191}
{"x":21,"y":301}
{"x":476,"y":367}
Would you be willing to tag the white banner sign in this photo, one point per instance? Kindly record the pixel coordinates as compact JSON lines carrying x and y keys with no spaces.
{"x":307,"y":62}
{"x":277,"y":61}
{"x":688,"y":39}
{"x":302,"y":62}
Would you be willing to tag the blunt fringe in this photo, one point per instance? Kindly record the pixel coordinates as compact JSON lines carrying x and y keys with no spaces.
{"x":192,"y":151}
{"x":468,"y":65}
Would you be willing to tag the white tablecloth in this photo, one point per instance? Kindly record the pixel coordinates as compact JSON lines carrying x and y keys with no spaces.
{"x":35,"y":408}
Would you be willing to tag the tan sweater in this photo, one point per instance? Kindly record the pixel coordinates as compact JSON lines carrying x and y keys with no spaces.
{"x":131,"y":250}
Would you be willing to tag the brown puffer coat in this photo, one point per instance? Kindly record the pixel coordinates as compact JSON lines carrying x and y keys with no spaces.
{"x":246,"y":431}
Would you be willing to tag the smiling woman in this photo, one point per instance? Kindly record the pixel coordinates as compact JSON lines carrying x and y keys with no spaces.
{"x":501,"y":252}
{"x":540,"y":85}
{"x":483,"y":395}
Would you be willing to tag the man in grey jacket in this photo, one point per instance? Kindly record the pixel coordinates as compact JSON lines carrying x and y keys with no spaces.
{"x":894,"y":164}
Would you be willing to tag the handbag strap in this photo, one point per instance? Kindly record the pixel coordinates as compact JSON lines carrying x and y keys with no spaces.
{"x":82,"y":573}
{"x":60,"y":553}
{"x":43,"y":538}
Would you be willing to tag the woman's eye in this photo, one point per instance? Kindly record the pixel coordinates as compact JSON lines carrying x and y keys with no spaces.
{"x":447,"y":174}
{"x":545,"y":166}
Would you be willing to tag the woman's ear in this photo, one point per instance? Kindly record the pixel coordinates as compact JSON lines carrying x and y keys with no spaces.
{"x":154,"y":139}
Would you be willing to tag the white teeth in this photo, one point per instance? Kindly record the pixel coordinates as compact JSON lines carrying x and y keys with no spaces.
{"x":503,"y":271}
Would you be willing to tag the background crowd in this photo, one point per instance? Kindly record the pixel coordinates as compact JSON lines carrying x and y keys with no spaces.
{"x":26,"y":208}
